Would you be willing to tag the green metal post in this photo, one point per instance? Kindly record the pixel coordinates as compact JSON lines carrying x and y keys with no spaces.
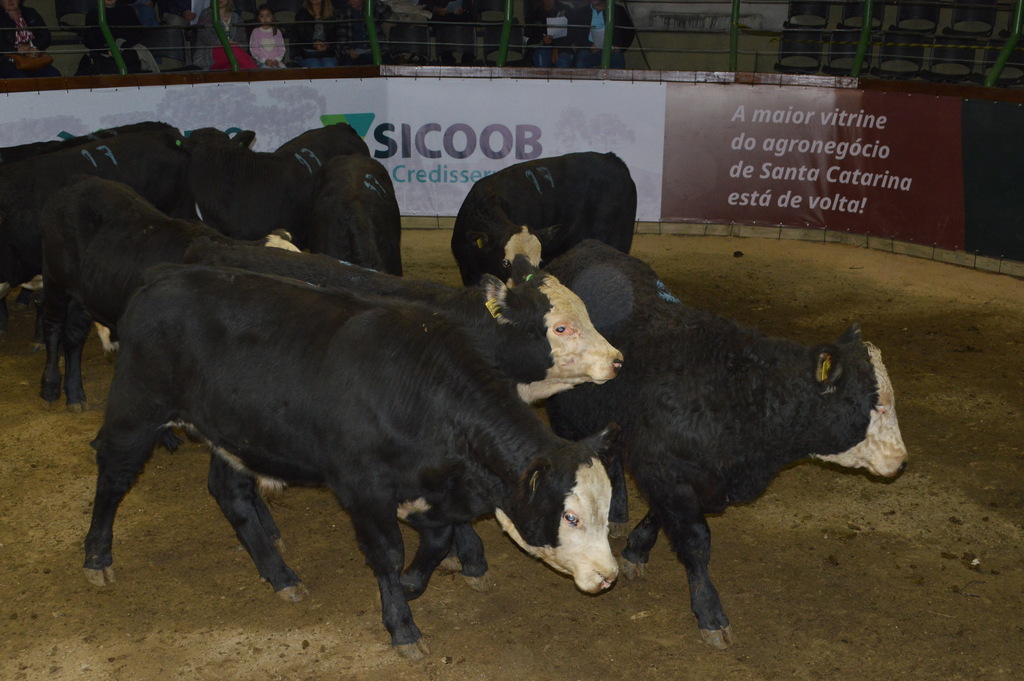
{"x":609,"y":34}
{"x":1008,"y":48}
{"x":371,"y":29}
{"x":222,"y":35}
{"x":864,"y":39}
{"x":506,"y":34}
{"x":109,"y":37}
{"x":734,"y":36}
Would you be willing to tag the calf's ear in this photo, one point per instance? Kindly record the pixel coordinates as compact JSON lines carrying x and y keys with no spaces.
{"x":547,"y":234}
{"x":478,"y":239}
{"x":828,"y":367}
{"x":851,"y":335}
{"x":602,"y":441}
{"x":495,"y":295}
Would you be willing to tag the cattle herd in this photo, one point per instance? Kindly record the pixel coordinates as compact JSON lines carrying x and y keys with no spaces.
{"x":316,"y":363}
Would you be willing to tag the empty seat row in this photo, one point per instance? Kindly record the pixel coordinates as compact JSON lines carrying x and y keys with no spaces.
{"x":969,"y":18}
{"x":895,"y":55}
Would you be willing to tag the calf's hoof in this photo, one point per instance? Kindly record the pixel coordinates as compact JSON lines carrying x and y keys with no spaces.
{"x":450,"y":564}
{"x":717,"y":638}
{"x":293,"y":594}
{"x":78,"y":407}
{"x":413,"y":651}
{"x":481,"y":583}
{"x":100,"y":577}
{"x":632,"y":571}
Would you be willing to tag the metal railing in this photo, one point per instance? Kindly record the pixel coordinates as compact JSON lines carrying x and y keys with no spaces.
{"x":719,"y":35}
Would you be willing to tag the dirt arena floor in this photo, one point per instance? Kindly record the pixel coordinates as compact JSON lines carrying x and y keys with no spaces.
{"x":830,"y":575}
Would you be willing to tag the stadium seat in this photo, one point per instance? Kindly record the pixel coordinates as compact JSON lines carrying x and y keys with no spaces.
{"x":799,"y":50}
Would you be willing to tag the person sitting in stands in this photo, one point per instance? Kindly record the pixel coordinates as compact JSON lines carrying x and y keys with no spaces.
{"x":22,"y":31}
{"x":586,"y":33}
{"x":448,"y":11}
{"x":126,"y":30}
{"x":316,"y":34}
{"x":353,"y":37}
{"x":209,"y":53}
{"x":547,"y":34}
{"x":266,"y":42}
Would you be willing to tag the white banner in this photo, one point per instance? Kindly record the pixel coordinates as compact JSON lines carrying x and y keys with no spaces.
{"x":436,"y":136}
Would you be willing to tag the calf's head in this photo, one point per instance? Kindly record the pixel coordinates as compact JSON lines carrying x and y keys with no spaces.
{"x":496,"y":250}
{"x":882,"y":451}
{"x":543,"y":306}
{"x":558,"y":512}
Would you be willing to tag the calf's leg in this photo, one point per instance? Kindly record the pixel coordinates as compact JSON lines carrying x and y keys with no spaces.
{"x":121,"y":454}
{"x":638,"y":546}
{"x":240,"y":502}
{"x":380,"y":538}
{"x":434,"y":544}
{"x":690,"y":536}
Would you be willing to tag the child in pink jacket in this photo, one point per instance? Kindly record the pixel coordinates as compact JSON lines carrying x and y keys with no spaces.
{"x":266,"y":43}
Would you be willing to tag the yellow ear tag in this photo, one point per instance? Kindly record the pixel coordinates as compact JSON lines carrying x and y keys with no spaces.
{"x":824,"y":368}
{"x":494,"y":307}
{"x":480,"y":242}
{"x":533,"y":481}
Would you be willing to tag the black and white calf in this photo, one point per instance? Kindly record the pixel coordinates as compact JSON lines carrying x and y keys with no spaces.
{"x":384,"y":403}
{"x":540,"y":209}
{"x":99,"y":236}
{"x":539,"y":335}
{"x":711,"y":411}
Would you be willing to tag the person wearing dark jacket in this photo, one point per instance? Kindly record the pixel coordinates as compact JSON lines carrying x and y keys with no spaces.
{"x":22,"y":30}
{"x":586,"y":33}
{"x":127,"y":31}
{"x":547,"y":39}
{"x":316,"y":34}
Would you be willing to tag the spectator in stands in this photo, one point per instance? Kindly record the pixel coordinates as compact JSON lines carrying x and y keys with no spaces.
{"x":209,"y":52}
{"x":145,"y":10}
{"x":266,"y":42}
{"x":547,"y":36}
{"x":316,"y":34}
{"x":126,"y":30}
{"x":446,"y":11}
{"x":22,"y":31}
{"x":353,"y":37}
{"x":179,"y":15}
{"x":586,"y":33}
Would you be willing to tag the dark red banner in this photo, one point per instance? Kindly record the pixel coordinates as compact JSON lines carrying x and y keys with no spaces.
{"x":887,"y":165}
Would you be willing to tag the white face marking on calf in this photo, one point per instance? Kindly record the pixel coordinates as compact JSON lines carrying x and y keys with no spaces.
{"x":583,"y":550}
{"x":580,"y":353}
{"x":523,"y":243}
{"x":407,"y":508}
{"x":882,"y":451}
